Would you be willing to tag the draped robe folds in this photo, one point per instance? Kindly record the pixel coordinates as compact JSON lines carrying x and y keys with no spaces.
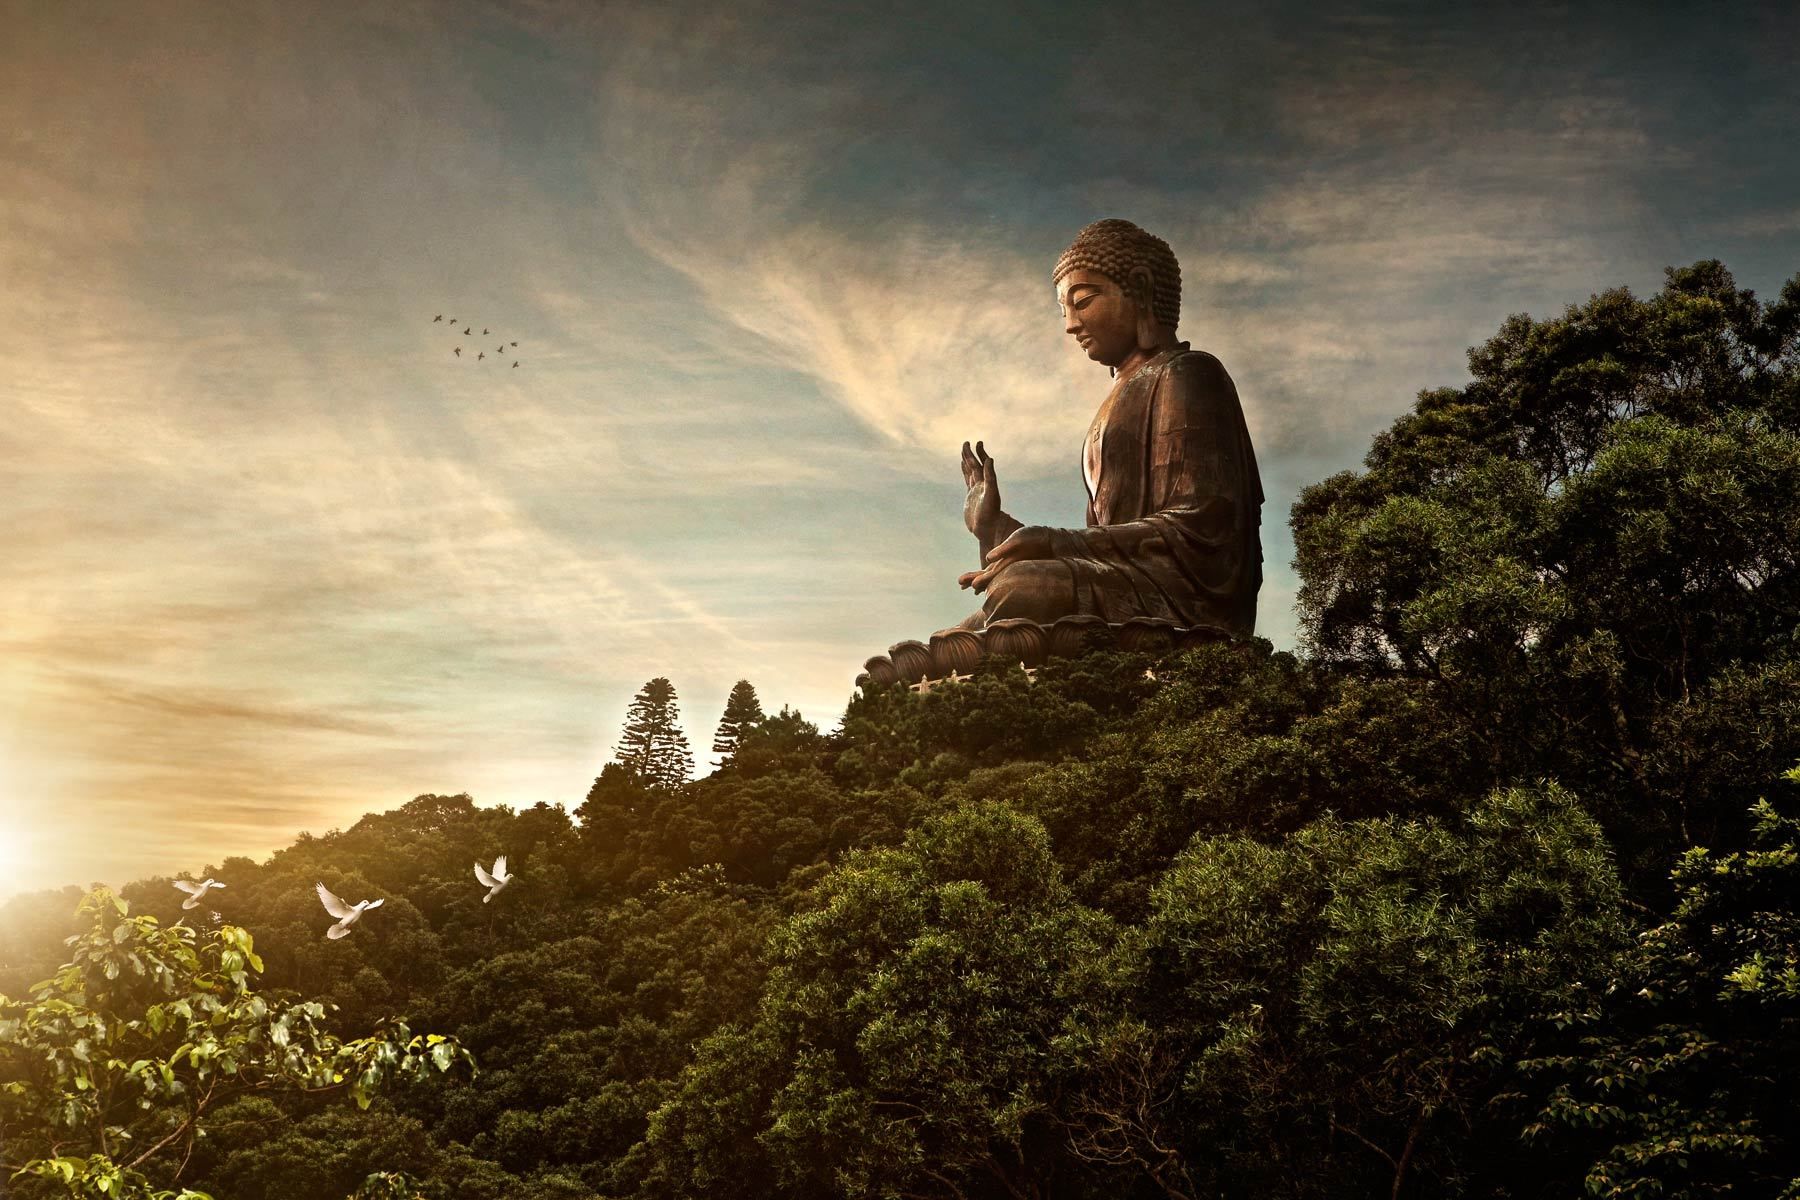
{"x":1174,"y":510}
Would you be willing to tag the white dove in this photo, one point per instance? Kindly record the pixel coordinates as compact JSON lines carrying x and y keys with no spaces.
{"x":494,"y":880}
{"x":195,"y":890}
{"x":346,"y":914}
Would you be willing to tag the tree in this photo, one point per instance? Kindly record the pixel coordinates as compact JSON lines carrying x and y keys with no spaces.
{"x":743,"y":712}
{"x":785,"y":741}
{"x":1329,"y":1013}
{"x":113,"y":1070}
{"x":901,"y":1045}
{"x":1681,"y":1078}
{"x":653,"y":747}
{"x":1591,"y":555}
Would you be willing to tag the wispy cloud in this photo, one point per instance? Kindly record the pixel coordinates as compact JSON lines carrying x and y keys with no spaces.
{"x":1430,"y":206}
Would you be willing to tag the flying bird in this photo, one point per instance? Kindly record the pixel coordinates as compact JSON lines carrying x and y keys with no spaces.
{"x":465,"y":333}
{"x":481,"y":356}
{"x":515,"y":364}
{"x":346,"y":914}
{"x":493,"y":880}
{"x":437,"y":318}
{"x":515,"y":345}
{"x":457,"y":352}
{"x":484,"y":332}
{"x":195,"y":890}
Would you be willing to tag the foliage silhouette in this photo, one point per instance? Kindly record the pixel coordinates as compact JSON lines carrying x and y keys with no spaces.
{"x":743,"y":712}
{"x":653,"y":749}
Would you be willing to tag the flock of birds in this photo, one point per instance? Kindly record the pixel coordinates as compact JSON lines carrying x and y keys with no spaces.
{"x":469,"y":331}
{"x":494,"y":879}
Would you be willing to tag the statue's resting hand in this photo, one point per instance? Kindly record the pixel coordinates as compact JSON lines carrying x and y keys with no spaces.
{"x":1023,"y":544}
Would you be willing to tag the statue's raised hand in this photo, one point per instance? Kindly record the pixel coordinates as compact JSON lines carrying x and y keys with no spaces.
{"x":981,"y":510}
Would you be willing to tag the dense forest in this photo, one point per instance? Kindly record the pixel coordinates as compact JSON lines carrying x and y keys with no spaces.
{"x":1492,"y":890}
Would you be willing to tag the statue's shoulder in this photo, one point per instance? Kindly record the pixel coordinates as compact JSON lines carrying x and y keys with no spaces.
{"x":1194,"y":369}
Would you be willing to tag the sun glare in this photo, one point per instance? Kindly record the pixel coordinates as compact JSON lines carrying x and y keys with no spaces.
{"x":18,"y":865}
{"x":12,"y":856}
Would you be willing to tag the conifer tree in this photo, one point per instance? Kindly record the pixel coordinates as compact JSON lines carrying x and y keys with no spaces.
{"x":653,"y":747}
{"x":743,"y":712}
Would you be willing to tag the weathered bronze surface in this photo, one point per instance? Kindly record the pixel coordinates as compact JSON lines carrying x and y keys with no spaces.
{"x":1174,"y":499}
{"x":1171,"y":552}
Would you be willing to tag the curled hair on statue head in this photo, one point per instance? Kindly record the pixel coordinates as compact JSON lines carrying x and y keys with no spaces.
{"x":1115,"y":248}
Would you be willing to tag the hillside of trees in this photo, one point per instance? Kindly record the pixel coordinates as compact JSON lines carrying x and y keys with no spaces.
{"x":1493,"y":890}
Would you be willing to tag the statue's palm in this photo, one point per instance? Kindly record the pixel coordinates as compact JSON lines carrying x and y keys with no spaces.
{"x":981,"y":509}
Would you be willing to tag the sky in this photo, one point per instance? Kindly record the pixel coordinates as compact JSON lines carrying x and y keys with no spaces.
{"x":272,"y":557}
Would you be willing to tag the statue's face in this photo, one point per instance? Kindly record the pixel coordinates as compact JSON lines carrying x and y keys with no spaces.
{"x":1098,"y":314}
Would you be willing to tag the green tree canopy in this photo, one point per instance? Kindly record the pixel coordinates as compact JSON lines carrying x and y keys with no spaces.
{"x":114,"y":1068}
{"x":1590,"y":552}
{"x":902,"y":1045}
{"x":1680,"y":1081}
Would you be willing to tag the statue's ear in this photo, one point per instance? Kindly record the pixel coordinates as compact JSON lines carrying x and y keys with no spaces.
{"x":1143,"y":291}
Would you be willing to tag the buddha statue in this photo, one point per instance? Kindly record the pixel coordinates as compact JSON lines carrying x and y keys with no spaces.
{"x":1174,"y":502}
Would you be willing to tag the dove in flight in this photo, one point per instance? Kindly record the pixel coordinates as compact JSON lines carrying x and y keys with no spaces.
{"x":437,"y":318}
{"x":481,"y":356}
{"x":195,"y":890}
{"x":493,"y":880}
{"x":346,"y":914}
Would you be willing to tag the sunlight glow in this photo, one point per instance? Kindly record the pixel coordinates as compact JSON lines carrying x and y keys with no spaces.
{"x":20,"y":869}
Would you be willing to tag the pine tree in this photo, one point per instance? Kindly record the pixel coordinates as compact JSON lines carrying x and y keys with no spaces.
{"x":743,"y":712}
{"x":653,"y":747}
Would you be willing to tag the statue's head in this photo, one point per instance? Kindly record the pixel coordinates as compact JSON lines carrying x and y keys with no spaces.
{"x":1119,"y":289}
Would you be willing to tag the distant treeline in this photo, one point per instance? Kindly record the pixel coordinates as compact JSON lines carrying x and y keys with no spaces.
{"x":1492,"y":891}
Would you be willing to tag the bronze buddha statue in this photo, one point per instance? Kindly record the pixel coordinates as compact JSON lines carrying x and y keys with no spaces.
{"x":1174,"y":500}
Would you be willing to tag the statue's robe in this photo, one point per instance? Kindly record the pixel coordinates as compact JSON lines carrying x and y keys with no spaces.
{"x":1174,"y":510}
